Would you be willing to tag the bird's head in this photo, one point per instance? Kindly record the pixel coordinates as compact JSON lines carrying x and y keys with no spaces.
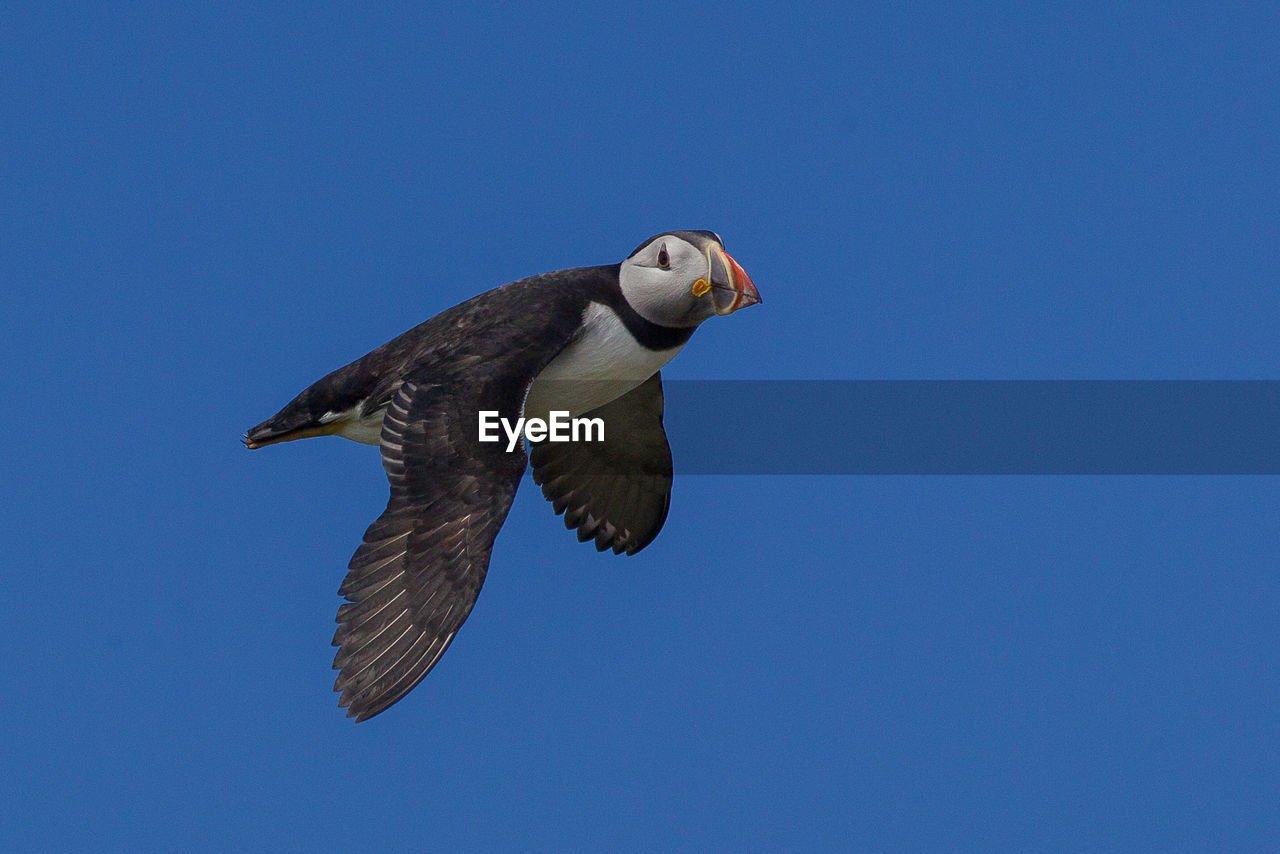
{"x":681,"y":278}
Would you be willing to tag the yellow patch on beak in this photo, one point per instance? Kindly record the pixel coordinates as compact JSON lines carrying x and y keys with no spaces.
{"x":700,"y":287}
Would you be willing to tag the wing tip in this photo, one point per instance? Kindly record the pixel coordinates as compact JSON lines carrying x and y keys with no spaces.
{"x":356,"y":711}
{"x":358,"y":708}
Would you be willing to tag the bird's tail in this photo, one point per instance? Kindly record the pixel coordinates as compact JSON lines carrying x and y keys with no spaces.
{"x":280,"y":429}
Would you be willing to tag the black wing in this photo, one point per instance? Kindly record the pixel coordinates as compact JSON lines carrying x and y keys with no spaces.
{"x":413,"y":582}
{"x":617,"y":491}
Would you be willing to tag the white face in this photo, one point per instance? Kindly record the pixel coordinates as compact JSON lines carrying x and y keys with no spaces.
{"x":661,"y":282}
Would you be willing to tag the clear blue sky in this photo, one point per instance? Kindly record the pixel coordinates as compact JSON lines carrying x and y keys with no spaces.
{"x":203,"y":210}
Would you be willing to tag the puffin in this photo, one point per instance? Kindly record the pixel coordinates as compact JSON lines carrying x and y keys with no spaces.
{"x":589,"y":342}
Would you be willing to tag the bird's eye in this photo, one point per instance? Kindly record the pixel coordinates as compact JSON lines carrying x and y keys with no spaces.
{"x":664,"y":260}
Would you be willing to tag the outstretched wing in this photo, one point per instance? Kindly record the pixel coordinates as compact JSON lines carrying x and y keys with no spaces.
{"x":414,"y":580}
{"x":616,"y":492}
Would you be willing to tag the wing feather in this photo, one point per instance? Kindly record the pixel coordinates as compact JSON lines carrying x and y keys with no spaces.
{"x":414,"y":580}
{"x":416,"y":576}
{"x":616,"y":492}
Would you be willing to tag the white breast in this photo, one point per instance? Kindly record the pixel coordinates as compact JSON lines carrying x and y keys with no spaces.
{"x":604,"y":363}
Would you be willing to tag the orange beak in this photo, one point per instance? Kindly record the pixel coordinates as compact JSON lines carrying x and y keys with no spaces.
{"x":732,"y":288}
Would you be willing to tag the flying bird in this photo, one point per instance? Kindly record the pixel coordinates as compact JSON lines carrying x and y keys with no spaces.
{"x":588,"y":341}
